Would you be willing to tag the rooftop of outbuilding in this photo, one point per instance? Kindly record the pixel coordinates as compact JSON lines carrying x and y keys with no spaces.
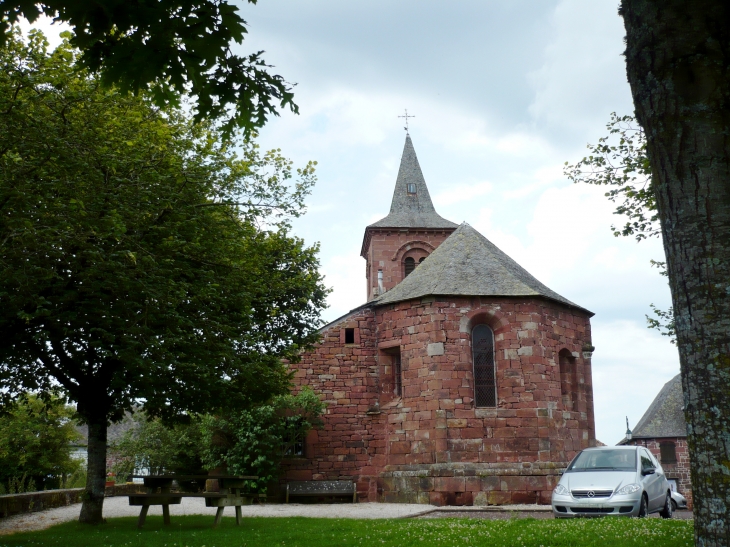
{"x":665,"y":415}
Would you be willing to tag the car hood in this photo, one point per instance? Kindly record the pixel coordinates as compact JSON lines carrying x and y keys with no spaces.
{"x":597,"y":480}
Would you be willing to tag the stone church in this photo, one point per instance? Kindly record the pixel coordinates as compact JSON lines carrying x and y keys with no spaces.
{"x":462,"y":380}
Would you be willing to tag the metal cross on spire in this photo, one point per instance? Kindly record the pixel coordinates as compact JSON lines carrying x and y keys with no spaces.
{"x":406,"y":117}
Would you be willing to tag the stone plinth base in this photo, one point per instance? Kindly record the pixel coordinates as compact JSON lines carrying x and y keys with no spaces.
{"x":471,"y":483}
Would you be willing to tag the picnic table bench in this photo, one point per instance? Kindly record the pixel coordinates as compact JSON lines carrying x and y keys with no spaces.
{"x":230,"y":494}
{"x":321,"y":488}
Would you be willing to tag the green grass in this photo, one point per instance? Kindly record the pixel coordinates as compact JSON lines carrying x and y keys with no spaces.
{"x":196,"y":531}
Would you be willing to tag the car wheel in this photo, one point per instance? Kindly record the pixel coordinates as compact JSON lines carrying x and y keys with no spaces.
{"x":666,"y":512}
{"x":674,"y":506}
{"x":643,"y":508}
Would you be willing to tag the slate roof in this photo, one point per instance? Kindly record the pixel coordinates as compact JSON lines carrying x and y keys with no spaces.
{"x":468,"y":264}
{"x":411,"y":210}
{"x":665,"y":415}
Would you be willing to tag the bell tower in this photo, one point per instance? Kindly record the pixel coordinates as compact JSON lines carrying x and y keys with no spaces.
{"x":394,"y":246}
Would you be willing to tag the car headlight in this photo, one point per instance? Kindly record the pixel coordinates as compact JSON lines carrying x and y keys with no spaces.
{"x":629,"y":489}
{"x":561,"y":490}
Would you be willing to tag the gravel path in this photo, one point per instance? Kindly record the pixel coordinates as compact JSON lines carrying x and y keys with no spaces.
{"x":119,"y":507}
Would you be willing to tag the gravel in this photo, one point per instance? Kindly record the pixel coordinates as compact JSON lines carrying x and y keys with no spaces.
{"x":119,"y":507}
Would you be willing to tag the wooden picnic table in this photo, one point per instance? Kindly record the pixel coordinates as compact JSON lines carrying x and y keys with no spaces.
{"x":229,"y":495}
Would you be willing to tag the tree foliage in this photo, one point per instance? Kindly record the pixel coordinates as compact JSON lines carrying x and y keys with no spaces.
{"x":158,"y":448}
{"x":247,"y":442}
{"x":168,"y":48}
{"x":35,"y":444}
{"x":143,"y":259}
{"x":620,"y":161}
{"x":253,"y":442}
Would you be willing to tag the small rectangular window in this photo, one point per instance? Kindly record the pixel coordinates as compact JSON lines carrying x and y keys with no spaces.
{"x":349,"y":336}
{"x":668,"y":452}
{"x":411,"y":188}
{"x":293,"y":439}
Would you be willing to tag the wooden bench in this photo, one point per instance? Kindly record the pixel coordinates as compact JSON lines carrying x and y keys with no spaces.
{"x":230,"y":495}
{"x":321,"y":488}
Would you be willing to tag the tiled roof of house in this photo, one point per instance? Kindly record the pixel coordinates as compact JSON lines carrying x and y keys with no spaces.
{"x":411,"y":209}
{"x":665,"y":415}
{"x":468,"y":264}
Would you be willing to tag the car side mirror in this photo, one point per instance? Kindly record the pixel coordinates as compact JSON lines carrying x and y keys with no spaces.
{"x":649,"y":471}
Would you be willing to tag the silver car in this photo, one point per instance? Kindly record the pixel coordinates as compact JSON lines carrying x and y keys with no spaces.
{"x":678,"y":501}
{"x":613,"y":480}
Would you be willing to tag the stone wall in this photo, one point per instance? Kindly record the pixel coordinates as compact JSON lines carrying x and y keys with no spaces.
{"x":435,"y":422}
{"x":430,"y":444}
{"x":351,"y":443}
{"x":386,"y":250}
{"x":29,"y":502}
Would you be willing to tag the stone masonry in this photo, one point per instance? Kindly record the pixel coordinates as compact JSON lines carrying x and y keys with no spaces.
{"x":398,"y":373}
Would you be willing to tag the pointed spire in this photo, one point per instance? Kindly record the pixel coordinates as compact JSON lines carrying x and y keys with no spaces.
{"x":411,"y":206}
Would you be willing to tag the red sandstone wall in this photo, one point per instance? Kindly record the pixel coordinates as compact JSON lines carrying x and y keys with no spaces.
{"x":350,"y":445}
{"x":388,"y":249}
{"x":431,"y":444}
{"x":436,"y":421}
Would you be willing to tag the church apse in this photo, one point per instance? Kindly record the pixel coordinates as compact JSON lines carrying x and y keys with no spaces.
{"x":468,"y":382}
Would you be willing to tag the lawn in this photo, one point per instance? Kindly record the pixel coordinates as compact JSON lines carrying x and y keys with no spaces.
{"x":195,"y":531}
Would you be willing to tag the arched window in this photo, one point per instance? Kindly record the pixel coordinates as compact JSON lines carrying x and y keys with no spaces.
{"x":421,"y":259}
{"x":410,"y":265}
{"x":482,"y":349}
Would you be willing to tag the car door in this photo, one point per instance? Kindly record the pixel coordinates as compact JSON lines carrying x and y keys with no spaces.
{"x":661,"y":483}
{"x":648,"y":478}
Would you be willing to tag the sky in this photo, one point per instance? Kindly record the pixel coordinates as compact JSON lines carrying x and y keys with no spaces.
{"x":503,"y":94}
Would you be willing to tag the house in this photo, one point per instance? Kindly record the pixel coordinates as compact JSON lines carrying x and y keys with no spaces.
{"x":462,"y":379}
{"x":663,"y":430}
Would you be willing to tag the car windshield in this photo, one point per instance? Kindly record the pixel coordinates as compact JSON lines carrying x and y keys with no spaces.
{"x":604,"y":460}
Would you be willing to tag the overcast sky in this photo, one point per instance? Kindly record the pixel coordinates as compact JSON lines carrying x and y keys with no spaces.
{"x":503,"y":94}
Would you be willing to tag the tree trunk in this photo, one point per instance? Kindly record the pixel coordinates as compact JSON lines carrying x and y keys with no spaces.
{"x":678,"y":65}
{"x":93,"y":501}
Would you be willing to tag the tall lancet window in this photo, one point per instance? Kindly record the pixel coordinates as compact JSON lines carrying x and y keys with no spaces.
{"x":482,"y":349}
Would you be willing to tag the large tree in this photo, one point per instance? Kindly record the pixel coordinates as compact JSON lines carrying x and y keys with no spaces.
{"x":142,"y":261}
{"x":678,"y":65}
{"x":170,"y":47}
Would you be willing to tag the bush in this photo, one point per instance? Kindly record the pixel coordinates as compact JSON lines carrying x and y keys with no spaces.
{"x":254,"y":442}
{"x":251,"y":442}
{"x":35,"y":445}
{"x":155,"y":448}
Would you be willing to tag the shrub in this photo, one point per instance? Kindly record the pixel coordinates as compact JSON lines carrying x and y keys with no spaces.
{"x":254,"y":442}
{"x":35,"y":445}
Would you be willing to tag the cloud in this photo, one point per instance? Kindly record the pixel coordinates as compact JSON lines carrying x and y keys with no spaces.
{"x":45,"y":24}
{"x":630,"y":366}
{"x":346,"y":275}
{"x":583,"y":76}
{"x":458,"y":193}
